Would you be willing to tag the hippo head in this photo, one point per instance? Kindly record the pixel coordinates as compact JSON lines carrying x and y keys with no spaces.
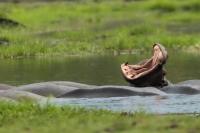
{"x":149,"y":72}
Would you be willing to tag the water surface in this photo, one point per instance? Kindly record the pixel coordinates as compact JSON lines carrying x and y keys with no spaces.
{"x":99,"y":70}
{"x":105,"y":70}
{"x":173,"y":103}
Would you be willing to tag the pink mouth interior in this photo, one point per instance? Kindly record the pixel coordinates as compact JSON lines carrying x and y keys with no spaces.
{"x":141,"y":69}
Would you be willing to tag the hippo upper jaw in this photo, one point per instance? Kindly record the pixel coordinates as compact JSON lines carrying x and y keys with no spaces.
{"x":148,"y":73}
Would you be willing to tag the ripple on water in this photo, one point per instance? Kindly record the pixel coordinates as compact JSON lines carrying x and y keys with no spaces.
{"x":174,"y":103}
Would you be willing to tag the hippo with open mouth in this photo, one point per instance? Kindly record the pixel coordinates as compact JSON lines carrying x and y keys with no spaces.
{"x":147,"y":78}
{"x":149,"y":72}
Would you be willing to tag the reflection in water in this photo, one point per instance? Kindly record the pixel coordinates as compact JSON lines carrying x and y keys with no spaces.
{"x":99,"y":70}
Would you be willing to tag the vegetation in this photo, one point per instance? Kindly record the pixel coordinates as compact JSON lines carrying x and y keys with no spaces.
{"x":29,"y":117}
{"x":81,"y":27}
{"x":97,"y":26}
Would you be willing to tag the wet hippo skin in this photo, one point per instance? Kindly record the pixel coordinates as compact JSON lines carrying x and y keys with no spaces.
{"x":66,"y":89}
{"x":19,"y":95}
{"x":6,"y":87}
{"x":71,"y":89}
{"x":185,"y":87}
{"x":113,"y":91}
{"x":46,"y":89}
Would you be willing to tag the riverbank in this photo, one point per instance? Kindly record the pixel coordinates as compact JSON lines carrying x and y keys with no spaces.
{"x":96,"y":27}
{"x":29,"y":117}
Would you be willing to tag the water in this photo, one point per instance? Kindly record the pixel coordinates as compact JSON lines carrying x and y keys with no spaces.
{"x":105,"y":70}
{"x":98,"y":70}
{"x":174,"y":103}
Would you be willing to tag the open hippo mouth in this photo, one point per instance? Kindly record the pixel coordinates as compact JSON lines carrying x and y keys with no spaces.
{"x":149,"y":72}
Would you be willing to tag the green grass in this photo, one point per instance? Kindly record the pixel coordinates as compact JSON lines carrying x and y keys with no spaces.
{"x":29,"y":117}
{"x":97,"y":27}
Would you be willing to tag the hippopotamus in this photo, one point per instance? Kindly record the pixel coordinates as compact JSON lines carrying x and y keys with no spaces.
{"x":66,"y":89}
{"x":146,"y":79}
{"x":78,"y":90}
{"x":149,"y":72}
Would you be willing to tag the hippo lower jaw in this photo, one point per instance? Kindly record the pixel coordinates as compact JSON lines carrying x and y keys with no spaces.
{"x":148,"y":73}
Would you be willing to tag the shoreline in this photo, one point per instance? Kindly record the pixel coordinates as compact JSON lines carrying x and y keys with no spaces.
{"x":193,"y":50}
{"x":27,"y":117}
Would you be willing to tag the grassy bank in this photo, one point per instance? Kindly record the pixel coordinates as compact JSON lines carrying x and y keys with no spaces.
{"x":27,"y":117}
{"x":97,"y":27}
